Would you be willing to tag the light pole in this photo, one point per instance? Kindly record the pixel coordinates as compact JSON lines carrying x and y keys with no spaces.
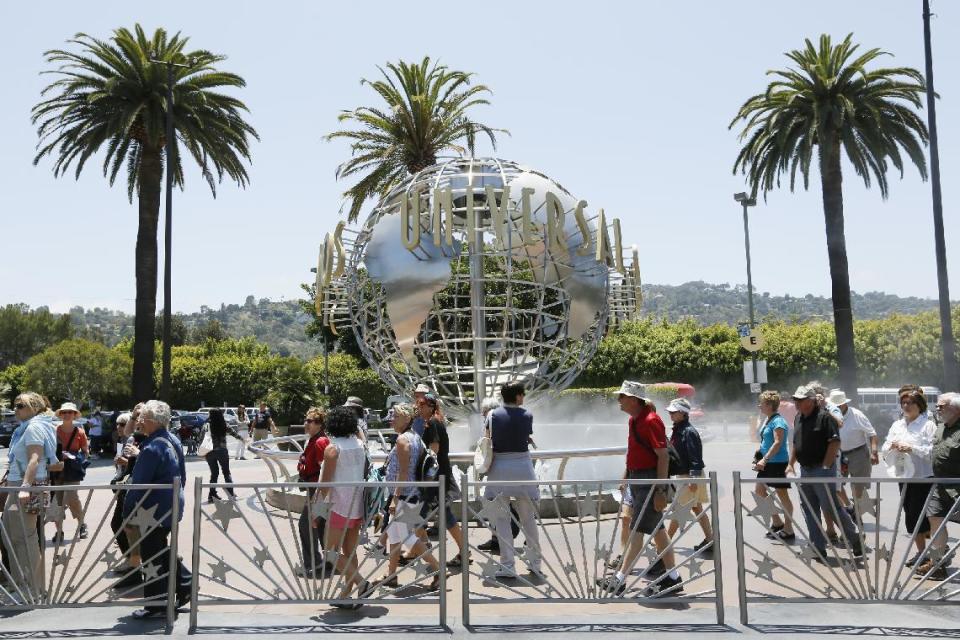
{"x":168,"y":230}
{"x":747,"y":202}
{"x":950,"y":377}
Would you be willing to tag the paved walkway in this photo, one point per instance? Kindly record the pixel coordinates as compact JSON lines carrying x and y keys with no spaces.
{"x":608,"y":620}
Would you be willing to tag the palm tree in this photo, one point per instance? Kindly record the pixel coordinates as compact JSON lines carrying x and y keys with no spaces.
{"x":112,"y":93}
{"x":833,"y":103}
{"x":426,"y":114}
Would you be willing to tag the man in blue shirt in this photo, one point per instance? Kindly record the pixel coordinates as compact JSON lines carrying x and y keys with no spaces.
{"x":160,"y":461}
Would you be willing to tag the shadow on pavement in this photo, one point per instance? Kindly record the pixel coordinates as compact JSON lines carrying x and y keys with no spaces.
{"x":895,"y":632}
{"x":600,"y":628}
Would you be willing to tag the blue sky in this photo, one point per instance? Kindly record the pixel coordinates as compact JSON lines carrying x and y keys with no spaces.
{"x":625,"y":104}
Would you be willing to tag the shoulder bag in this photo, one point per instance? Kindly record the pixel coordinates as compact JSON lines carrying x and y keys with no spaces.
{"x":483,"y":456}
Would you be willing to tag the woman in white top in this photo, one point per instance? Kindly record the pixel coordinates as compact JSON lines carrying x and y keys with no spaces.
{"x":243,"y":428}
{"x":344,"y":460}
{"x":913,"y":435}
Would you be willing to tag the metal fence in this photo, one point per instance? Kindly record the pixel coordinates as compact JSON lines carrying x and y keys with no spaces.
{"x":878,"y":551}
{"x":260,"y":554}
{"x":571,"y":543}
{"x":103,"y":559}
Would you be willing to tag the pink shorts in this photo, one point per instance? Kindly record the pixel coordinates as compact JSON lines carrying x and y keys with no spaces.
{"x":338,"y":521}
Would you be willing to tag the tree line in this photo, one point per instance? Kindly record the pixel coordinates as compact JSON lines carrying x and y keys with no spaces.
{"x":890,"y":351}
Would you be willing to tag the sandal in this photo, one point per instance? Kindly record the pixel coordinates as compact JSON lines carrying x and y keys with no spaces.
{"x":434,"y":584}
{"x":457,"y":561}
{"x":390,"y":583}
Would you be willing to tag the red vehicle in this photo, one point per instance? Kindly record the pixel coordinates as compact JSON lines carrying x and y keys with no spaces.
{"x":682,"y":390}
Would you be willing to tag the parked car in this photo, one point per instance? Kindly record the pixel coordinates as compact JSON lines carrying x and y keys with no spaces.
{"x":229,"y":414}
{"x":8,"y":424}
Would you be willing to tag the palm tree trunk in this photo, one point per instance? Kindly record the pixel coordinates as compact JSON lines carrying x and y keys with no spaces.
{"x":831,"y":180}
{"x":150,"y":174}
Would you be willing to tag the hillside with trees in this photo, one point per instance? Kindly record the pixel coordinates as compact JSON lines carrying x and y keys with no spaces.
{"x":283,"y":325}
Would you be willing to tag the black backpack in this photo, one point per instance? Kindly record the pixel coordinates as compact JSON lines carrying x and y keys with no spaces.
{"x":427,"y":465}
{"x":676,"y":466}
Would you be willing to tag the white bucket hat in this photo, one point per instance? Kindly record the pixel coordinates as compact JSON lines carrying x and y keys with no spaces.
{"x":422,"y":388}
{"x":838,"y":397}
{"x":679,"y":404}
{"x":68,"y":406}
{"x":632,"y":389}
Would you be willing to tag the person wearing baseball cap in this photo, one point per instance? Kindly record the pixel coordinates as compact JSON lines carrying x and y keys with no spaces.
{"x":816,"y":443}
{"x":685,"y":440}
{"x":647,"y":458}
{"x":419,"y":395}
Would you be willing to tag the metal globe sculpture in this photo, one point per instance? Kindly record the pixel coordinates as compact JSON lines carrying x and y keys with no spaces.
{"x":475,"y":272}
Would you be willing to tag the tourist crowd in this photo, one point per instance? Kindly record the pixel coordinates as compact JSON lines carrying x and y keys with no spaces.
{"x":828,"y":438}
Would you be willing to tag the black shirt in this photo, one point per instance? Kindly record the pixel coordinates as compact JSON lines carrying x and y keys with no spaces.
{"x":435,"y":431}
{"x":812,"y":436}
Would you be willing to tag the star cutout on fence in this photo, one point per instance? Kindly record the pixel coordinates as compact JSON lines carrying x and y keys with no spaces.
{"x":421,"y":570}
{"x":145,"y":519}
{"x":865,"y":505}
{"x":828,"y":591}
{"x":110,"y":557}
{"x":320,"y":509}
{"x":55,"y":513}
{"x":261,"y":557}
{"x":219,"y":570}
{"x":604,"y":552}
{"x":71,"y":588}
{"x":378,"y":553}
{"x":808,"y":552}
{"x":589,"y":507}
{"x":489,"y":568}
{"x":277,"y":593}
{"x":694,"y":565}
{"x":60,"y":558}
{"x":681,"y":515}
{"x":939,"y":593}
{"x":150,"y":572}
{"x":883,"y":553}
{"x":765,"y":567}
{"x":225,"y":511}
{"x":410,"y":517}
{"x":492,"y":510}
{"x":650,"y":552}
{"x":766,"y":508}
{"x":531,"y":554}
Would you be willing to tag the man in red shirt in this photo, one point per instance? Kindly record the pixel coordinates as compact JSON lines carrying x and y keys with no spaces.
{"x":647,"y":458}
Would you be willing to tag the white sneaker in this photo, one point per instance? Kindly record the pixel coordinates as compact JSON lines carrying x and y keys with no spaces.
{"x":505,"y":572}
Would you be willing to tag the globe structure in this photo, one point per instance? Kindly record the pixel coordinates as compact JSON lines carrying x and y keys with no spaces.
{"x":473,"y":273}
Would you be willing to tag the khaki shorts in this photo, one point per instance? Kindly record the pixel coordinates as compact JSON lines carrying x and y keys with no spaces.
{"x":260,"y":434}
{"x":691,"y":497}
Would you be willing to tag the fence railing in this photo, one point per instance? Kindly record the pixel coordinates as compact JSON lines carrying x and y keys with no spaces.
{"x":106,"y":557}
{"x":570,"y":546}
{"x":879,"y":549}
{"x":261,"y":555}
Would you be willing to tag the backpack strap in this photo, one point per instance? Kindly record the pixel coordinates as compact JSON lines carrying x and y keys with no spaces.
{"x":72,"y":436}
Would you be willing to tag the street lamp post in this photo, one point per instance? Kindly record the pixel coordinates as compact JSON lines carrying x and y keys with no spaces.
{"x":168,"y":230}
{"x":747,"y":202}
{"x":950,"y":374}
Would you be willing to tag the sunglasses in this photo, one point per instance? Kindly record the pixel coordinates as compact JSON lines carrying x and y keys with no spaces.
{"x":19,"y":405}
